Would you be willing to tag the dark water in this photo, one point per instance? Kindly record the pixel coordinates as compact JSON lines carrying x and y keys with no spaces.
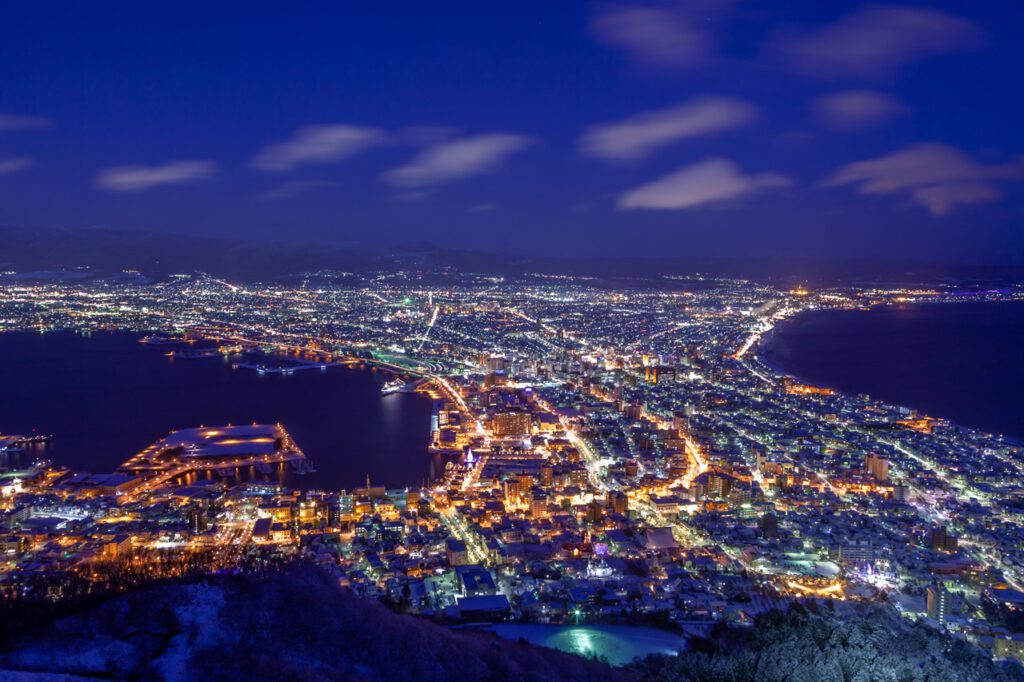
{"x":106,"y":397}
{"x":963,"y":361}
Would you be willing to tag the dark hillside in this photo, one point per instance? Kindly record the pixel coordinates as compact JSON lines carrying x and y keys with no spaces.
{"x":297,"y":625}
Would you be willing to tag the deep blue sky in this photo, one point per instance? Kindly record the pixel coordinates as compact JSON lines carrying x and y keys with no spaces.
{"x":501,"y":125}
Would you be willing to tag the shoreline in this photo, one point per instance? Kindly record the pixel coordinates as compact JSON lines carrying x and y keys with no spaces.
{"x":330,"y":452}
{"x":763,"y":348}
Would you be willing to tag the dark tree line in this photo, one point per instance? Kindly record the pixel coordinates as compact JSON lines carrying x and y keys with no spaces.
{"x":811,"y":644}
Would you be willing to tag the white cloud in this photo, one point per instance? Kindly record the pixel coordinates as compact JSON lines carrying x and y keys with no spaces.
{"x":14,"y":165}
{"x":667,"y":34}
{"x":318,"y":144}
{"x":873,"y":40}
{"x":457,"y":159}
{"x":856,"y":109}
{"x":713,"y":179}
{"x":639,"y":135}
{"x":934,"y":175}
{"x":139,"y":178}
{"x":11,"y":122}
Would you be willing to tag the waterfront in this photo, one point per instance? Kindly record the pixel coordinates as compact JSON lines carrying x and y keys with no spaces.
{"x":963,"y":362}
{"x":626,"y":455}
{"x":105,"y":397}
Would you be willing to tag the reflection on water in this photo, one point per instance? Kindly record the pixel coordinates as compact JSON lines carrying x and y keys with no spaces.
{"x":106,"y":397}
{"x":616,"y":644}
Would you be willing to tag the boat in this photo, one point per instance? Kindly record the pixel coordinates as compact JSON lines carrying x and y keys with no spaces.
{"x":392,"y":387}
{"x":35,"y":438}
{"x":397,"y":386}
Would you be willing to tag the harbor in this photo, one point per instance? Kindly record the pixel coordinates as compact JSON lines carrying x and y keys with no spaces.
{"x":337,"y":415}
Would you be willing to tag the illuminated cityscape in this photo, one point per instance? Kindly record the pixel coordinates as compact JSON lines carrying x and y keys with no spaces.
{"x":608,"y":451}
{"x":618,"y":340}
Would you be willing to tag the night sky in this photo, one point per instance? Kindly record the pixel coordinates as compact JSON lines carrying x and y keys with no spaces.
{"x":706,"y":127}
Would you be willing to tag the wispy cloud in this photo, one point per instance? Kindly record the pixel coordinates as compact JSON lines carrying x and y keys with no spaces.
{"x":639,"y":135}
{"x":873,"y":40}
{"x":937,"y":176}
{"x":709,"y":180}
{"x":14,"y":165}
{"x":457,"y":159}
{"x":139,"y":178}
{"x":318,"y":144}
{"x":11,"y":122}
{"x":293,"y":188}
{"x":667,"y":34}
{"x":856,"y":109}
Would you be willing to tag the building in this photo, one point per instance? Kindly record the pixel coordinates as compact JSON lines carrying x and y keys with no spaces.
{"x":538,"y":503}
{"x":940,"y":603}
{"x":513,"y":490}
{"x":618,"y":501}
{"x":456,"y":552}
{"x":901,"y":493}
{"x":634,"y":412}
{"x":1009,"y":646}
{"x":498,"y":364}
{"x":877,"y":467}
{"x":769,"y":526}
{"x":940,"y":541}
{"x":579,"y":476}
{"x":857,"y":552}
{"x":484,"y":607}
{"x":719,"y":485}
{"x":511,"y":424}
{"x":197,"y":520}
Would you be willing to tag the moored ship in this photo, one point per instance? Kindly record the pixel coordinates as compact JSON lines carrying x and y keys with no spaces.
{"x":396,"y":386}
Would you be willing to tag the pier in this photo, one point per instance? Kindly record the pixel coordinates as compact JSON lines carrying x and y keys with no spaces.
{"x":222,"y":450}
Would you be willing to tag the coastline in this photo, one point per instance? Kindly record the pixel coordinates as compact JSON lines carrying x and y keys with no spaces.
{"x":767,"y":354}
{"x":331,"y":414}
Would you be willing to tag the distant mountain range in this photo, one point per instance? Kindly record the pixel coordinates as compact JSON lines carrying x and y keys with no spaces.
{"x":48,"y":253}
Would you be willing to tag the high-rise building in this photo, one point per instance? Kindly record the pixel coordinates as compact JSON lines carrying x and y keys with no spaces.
{"x":901,"y":493}
{"x":769,"y":526}
{"x":939,"y":604}
{"x":719,"y":485}
{"x":618,"y":502}
{"x":538,"y":503}
{"x":633,"y":411}
{"x":937,"y":540}
{"x":197,"y":520}
{"x":497,"y":364}
{"x":512,"y":491}
{"x":511,"y":424}
{"x":547,"y":473}
{"x":877,"y":467}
